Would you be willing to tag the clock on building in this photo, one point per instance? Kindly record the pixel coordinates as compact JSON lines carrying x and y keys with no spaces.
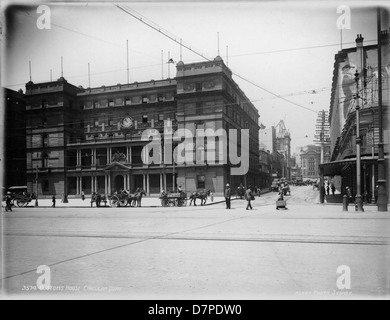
{"x":127,"y":123}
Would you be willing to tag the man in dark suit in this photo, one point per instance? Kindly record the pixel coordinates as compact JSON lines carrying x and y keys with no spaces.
{"x":228,"y":195}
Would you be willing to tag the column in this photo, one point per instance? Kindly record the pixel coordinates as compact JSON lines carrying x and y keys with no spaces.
{"x":93,"y":156}
{"x":78,"y":185}
{"x":130,"y":155}
{"x":92,"y":184}
{"x":125,"y":181}
{"x":109,"y":154}
{"x":128,"y":182}
{"x":78,"y":156}
{"x":161,"y":182}
{"x":109,"y":184}
{"x":147,"y":184}
{"x":81,"y":184}
{"x":144,"y":181}
{"x":105,"y":184}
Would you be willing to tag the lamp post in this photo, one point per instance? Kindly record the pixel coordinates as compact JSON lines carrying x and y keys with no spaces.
{"x":36,"y":186}
{"x":359,"y":202}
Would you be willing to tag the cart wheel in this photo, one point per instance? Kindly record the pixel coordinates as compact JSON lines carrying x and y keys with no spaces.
{"x":115,"y":202}
{"x":123,"y":203}
{"x":184,"y":202}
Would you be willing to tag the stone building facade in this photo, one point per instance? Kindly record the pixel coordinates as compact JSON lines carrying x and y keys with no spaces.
{"x":91,"y":140}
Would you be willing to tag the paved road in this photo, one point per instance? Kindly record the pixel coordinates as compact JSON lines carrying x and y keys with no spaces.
{"x":198,"y":253}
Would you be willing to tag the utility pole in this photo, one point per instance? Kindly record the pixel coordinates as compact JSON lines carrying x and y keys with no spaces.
{"x":382,"y":191}
{"x":359,"y":200}
{"x":36,"y":186}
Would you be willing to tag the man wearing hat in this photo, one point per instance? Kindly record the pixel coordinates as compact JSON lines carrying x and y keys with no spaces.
{"x":228,"y":195}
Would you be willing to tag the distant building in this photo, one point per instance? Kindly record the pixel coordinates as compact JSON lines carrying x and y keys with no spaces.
{"x":265,"y":168}
{"x":283,"y":146}
{"x":310,"y":162}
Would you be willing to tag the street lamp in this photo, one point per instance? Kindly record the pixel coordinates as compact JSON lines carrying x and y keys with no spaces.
{"x":359,"y":202}
{"x":36,"y":186}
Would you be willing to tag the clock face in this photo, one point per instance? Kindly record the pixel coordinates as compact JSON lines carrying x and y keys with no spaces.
{"x":127,"y":123}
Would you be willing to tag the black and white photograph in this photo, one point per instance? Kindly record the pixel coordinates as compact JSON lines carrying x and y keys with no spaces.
{"x":195,"y":151}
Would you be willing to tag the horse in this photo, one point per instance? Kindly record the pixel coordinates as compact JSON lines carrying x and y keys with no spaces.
{"x":136,"y":198}
{"x":202,"y":195}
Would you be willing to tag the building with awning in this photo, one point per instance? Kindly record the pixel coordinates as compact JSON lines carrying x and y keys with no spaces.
{"x":346,"y":93}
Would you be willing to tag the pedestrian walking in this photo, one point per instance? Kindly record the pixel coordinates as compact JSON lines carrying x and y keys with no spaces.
{"x":249,"y":197}
{"x":328,"y":189}
{"x":82,"y":195}
{"x":333,"y":189}
{"x":349,"y":194}
{"x":98,"y":200}
{"x":8,"y":201}
{"x":228,"y":195}
{"x":376,"y":194}
{"x":53,"y":200}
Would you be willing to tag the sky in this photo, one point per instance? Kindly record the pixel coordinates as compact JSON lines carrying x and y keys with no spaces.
{"x":279,"y":48}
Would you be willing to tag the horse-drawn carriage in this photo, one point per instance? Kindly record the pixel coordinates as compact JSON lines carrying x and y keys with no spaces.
{"x":178,"y":199}
{"x":98,"y":199}
{"x":22,"y":200}
{"x":202,"y":195}
{"x":124,"y":198}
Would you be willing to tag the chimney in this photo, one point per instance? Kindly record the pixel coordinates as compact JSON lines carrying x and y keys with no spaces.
{"x":385,"y":37}
{"x":359,"y":41}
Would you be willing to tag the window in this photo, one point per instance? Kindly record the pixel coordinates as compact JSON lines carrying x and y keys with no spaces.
{"x":199,"y":126}
{"x":110,"y":122}
{"x":44,"y":103}
{"x":145,"y":118}
{"x":96,"y":104}
{"x":44,"y":121}
{"x":199,"y":107}
{"x":45,"y":140}
{"x":45,"y":160}
{"x":127,"y":101}
{"x":110,"y":103}
{"x":201,"y":182}
{"x":45,"y":185}
{"x":161,"y":117}
{"x":160,"y":98}
{"x":96,"y":123}
{"x":145,"y":99}
{"x":199,"y":86}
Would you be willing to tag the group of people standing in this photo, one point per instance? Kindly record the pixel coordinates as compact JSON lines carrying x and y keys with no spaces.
{"x":249,"y":197}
